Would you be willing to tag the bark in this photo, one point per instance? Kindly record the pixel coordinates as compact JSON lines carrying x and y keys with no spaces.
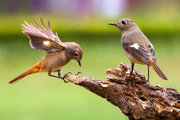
{"x":139,"y":100}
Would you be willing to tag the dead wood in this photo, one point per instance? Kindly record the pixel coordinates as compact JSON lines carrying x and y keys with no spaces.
{"x":139,"y":100}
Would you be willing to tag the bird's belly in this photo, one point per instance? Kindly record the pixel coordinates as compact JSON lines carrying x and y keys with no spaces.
{"x":53,"y":63}
{"x":132,"y":59}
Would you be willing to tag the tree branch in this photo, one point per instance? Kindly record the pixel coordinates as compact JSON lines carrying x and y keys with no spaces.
{"x":139,"y":100}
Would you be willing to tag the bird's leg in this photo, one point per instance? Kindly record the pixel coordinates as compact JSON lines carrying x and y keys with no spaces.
{"x":65,"y":75}
{"x":148,"y":74}
{"x":132,"y":68}
{"x":78,"y":73}
{"x":59,"y":75}
{"x":49,"y":73}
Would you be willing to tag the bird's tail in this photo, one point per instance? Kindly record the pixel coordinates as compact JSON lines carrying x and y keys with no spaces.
{"x":33,"y":69}
{"x":157,"y":69}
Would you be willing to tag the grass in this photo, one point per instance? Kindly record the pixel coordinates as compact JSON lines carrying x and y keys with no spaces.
{"x":39,"y":97}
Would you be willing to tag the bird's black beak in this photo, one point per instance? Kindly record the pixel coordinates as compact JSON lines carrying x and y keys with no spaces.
{"x":113,"y":24}
{"x":79,"y":62}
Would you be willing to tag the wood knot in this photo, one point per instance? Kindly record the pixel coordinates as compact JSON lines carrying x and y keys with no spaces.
{"x":121,"y":74}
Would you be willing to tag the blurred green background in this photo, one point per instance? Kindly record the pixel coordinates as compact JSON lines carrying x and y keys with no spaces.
{"x":40,"y":97}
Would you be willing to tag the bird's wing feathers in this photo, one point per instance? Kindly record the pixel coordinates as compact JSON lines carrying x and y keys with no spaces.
{"x":138,"y":46}
{"x":41,"y":38}
{"x":139,"y":52}
{"x":150,"y":48}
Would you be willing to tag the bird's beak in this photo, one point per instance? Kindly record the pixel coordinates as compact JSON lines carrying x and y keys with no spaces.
{"x":79,"y":62}
{"x":113,"y":24}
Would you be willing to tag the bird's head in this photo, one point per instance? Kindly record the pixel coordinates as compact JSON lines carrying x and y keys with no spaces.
{"x":74,"y":51}
{"x":124,"y":24}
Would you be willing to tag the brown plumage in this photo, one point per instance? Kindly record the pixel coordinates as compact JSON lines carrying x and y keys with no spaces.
{"x":136,"y":45}
{"x":58,"y":53}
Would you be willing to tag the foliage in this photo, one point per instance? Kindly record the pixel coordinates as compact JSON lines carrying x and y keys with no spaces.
{"x":151,"y":24}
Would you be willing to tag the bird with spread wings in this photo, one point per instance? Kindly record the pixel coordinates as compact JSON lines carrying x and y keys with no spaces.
{"x":58,"y":53}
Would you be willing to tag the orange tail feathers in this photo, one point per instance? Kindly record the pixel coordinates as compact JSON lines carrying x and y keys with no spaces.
{"x":33,"y":69}
{"x":157,"y":69}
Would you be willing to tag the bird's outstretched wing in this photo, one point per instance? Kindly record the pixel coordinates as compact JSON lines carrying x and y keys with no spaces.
{"x":41,"y":37}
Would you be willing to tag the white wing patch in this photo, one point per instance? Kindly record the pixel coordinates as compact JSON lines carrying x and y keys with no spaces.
{"x":136,"y":46}
{"x":47,"y":43}
{"x":152,"y":46}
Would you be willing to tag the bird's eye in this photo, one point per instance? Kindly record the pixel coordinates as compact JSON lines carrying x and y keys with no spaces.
{"x":124,"y":22}
{"x":75,"y":54}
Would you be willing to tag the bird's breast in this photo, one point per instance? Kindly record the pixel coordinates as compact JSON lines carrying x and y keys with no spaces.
{"x":54,"y":61}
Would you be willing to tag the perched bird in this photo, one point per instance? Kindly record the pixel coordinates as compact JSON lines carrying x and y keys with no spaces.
{"x":58,"y":53}
{"x":136,"y":46}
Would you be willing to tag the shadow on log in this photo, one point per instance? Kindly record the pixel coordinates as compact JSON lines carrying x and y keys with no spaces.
{"x":139,"y":100}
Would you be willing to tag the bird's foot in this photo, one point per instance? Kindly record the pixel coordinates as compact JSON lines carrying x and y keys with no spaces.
{"x":78,"y":73}
{"x":126,"y":83}
{"x":65,"y":75}
{"x":148,"y":81}
{"x":59,"y":76}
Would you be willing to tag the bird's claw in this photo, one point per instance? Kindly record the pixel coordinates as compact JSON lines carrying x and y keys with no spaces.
{"x":78,"y":73}
{"x":68,"y":73}
{"x":65,"y":75}
{"x":65,"y":80}
{"x":148,"y":81}
{"x":126,"y":83}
